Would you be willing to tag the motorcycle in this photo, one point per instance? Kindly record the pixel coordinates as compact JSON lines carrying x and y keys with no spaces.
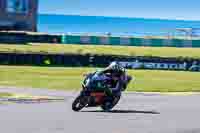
{"x":90,"y":98}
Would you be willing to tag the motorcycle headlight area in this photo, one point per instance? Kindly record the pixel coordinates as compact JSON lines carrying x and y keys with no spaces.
{"x":87,"y":82}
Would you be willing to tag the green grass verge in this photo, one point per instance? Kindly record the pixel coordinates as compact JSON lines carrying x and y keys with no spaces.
{"x":5,"y":94}
{"x":70,"y":79}
{"x":102,"y":49}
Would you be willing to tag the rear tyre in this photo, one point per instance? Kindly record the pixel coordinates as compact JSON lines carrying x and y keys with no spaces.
{"x":78,"y":103}
{"x":108,"y":105}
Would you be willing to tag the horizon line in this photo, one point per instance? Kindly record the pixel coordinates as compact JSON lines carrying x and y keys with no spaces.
{"x":151,"y":18}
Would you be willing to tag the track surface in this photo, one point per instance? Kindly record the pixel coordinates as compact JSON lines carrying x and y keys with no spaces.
{"x":136,"y":113}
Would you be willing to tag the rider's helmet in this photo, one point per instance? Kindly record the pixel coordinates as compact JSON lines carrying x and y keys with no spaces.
{"x":116,"y":66}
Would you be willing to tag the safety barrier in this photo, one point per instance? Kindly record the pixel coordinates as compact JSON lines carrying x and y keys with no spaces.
{"x":23,"y":37}
{"x":98,"y":61}
{"x":129,"y":41}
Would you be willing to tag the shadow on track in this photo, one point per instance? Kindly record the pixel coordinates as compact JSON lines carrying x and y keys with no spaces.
{"x":124,"y":111}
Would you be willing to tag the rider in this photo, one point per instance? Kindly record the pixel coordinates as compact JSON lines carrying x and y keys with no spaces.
{"x":119,"y":79}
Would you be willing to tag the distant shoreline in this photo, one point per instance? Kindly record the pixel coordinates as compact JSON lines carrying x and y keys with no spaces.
{"x":122,"y":17}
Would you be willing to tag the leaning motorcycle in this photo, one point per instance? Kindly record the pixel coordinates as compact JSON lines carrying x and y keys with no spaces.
{"x":90,"y":98}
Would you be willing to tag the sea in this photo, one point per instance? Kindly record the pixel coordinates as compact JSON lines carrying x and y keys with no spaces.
{"x":116,"y":26}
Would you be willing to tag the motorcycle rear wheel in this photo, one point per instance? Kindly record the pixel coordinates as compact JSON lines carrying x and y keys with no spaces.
{"x":109,"y":105}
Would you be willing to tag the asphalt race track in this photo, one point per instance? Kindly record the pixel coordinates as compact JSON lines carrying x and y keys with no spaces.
{"x":136,"y":113}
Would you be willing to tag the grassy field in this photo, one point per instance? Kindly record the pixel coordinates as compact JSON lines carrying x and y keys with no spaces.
{"x":70,"y":79}
{"x":102,"y":49}
{"x":5,"y":94}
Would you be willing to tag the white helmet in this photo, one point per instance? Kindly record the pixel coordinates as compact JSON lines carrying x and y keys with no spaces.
{"x":116,"y":66}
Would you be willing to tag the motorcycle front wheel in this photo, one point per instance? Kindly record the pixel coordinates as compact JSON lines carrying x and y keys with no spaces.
{"x":78,"y":104}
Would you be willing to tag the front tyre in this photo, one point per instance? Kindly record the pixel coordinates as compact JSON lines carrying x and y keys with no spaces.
{"x":78,"y":103}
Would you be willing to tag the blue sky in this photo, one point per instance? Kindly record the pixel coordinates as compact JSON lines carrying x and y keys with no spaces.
{"x":166,"y":9}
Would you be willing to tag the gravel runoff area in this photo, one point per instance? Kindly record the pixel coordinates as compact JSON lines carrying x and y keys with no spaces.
{"x":136,"y":112}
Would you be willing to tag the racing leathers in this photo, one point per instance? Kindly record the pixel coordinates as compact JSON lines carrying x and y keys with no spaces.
{"x":116,"y":80}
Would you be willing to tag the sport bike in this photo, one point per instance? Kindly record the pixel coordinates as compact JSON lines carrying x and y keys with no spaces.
{"x":90,"y":97}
